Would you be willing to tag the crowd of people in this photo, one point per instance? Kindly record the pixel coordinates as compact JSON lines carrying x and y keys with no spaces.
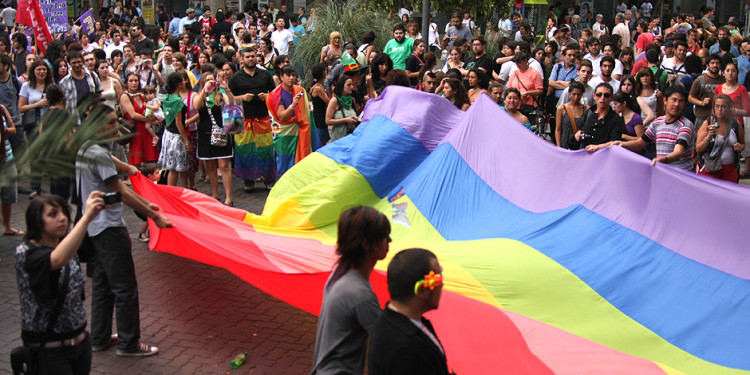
{"x":676,"y":95}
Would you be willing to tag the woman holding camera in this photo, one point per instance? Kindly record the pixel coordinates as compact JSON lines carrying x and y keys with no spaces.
{"x":49,"y":275}
{"x":721,"y":139}
{"x":208,"y":102}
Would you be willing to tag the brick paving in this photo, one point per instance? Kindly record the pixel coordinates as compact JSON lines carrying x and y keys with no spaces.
{"x":199,"y":316}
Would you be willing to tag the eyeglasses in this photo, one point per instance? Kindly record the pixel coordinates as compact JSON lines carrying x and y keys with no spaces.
{"x":606,"y":95}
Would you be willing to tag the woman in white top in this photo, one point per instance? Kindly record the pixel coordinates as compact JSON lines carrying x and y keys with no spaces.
{"x":645,"y":88}
{"x":111,"y":88}
{"x":31,"y":101}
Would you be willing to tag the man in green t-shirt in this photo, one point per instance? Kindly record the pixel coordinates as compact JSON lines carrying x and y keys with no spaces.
{"x":707,"y":14}
{"x":399,"y":48}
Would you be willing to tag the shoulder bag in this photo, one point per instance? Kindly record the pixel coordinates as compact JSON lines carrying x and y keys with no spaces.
{"x":219,"y":137}
{"x":26,"y":360}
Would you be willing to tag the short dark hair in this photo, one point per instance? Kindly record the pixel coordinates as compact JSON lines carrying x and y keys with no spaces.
{"x":652,"y":56}
{"x":146,"y":51}
{"x":586,"y":63}
{"x":592,"y":40}
{"x":606,"y":86}
{"x":148,"y":168}
{"x":676,"y":89}
{"x":368,"y":37}
{"x":35,"y":214}
{"x":479,"y":39}
{"x":575,"y":85}
{"x":288,"y":70}
{"x":20,"y":38}
{"x":399,"y":27}
{"x":405,"y":270}
{"x":607,"y":59}
{"x":713,"y":56}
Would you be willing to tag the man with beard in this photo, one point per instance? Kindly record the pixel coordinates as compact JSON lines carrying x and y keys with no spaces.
{"x":399,"y":48}
{"x":606,"y":66}
{"x":480,"y":59}
{"x":704,"y":88}
{"x":675,"y":66}
{"x":254,"y":152}
{"x":78,"y":82}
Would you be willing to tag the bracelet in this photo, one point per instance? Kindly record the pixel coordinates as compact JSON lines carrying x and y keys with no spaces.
{"x":666,"y":159}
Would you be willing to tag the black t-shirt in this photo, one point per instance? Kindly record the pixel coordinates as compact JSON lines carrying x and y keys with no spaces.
{"x":413,"y":64}
{"x":484,"y":62}
{"x":496,"y":67}
{"x":82,"y":86}
{"x":260,"y":82}
{"x":220,"y":28}
{"x":161,"y":19}
{"x":146,"y":43}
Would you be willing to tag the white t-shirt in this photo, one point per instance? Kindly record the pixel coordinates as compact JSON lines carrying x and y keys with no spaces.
{"x":532,"y":64}
{"x":646,"y":7}
{"x":673,"y":68}
{"x":281,"y":40}
{"x":433,"y":35}
{"x":505,"y":24}
{"x":599,"y":29}
{"x":551,"y":33}
{"x":613,"y":82}
{"x":110,"y":48}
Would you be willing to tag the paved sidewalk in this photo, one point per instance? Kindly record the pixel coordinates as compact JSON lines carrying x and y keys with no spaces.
{"x":199,"y":316}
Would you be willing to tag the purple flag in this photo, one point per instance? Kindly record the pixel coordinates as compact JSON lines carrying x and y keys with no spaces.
{"x":87,"y":25}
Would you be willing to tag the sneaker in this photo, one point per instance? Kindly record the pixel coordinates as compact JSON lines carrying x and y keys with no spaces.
{"x":112,"y":342}
{"x":143,"y":350}
{"x":143,"y":237}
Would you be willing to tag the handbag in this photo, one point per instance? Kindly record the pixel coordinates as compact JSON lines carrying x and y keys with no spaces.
{"x":234,"y":120}
{"x":526,"y":109}
{"x":26,"y":360}
{"x":219,"y":137}
{"x":710,"y":160}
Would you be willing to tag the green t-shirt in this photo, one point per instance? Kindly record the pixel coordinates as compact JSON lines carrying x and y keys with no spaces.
{"x":399,"y":52}
{"x":663,"y":79}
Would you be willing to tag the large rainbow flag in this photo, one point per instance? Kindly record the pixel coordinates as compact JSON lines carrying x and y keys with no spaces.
{"x":555,"y":261}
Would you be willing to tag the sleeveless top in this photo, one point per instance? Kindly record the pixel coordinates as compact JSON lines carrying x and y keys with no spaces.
{"x":651,"y":101}
{"x":110,"y":96}
{"x":566,"y":131}
{"x":319,"y":112}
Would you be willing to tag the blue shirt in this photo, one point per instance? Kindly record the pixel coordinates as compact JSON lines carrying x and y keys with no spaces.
{"x":715,"y":49}
{"x":174,"y":26}
{"x":559,"y":73}
{"x":298,"y":30}
{"x":743,"y":64}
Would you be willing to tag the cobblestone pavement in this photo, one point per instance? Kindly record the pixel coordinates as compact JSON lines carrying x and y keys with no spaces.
{"x":199,"y":316}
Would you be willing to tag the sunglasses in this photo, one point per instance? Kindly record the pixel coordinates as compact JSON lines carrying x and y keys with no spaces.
{"x":606,"y":95}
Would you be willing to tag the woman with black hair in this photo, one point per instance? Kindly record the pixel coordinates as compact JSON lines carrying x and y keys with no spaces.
{"x":49,"y":275}
{"x":281,"y":62}
{"x":320,"y":101}
{"x":55,"y":51}
{"x":453,"y":90}
{"x":381,"y":65}
{"x":478,"y":83}
{"x":175,"y":142}
{"x":625,"y":106}
{"x":367,"y":47}
{"x":415,"y":62}
{"x":350,"y":308}
{"x":341,"y":113}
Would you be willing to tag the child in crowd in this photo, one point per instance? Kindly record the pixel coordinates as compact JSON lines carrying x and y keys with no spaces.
{"x":153,"y":107}
{"x":153,"y":172}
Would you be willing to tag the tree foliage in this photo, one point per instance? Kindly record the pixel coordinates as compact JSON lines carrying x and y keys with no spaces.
{"x":351,"y":19}
{"x":479,"y":9}
{"x":53,"y":152}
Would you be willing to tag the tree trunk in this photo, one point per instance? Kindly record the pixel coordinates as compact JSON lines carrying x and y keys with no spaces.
{"x":96,"y":8}
{"x":216,"y":4}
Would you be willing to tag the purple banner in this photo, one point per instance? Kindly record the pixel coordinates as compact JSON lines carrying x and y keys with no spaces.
{"x":87,"y":25}
{"x":56,"y":13}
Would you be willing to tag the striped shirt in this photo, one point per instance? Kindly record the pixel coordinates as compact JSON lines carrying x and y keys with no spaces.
{"x":666,"y":136}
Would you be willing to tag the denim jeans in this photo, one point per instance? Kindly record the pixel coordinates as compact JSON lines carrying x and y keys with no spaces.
{"x":114,"y":286}
{"x":69,"y":360}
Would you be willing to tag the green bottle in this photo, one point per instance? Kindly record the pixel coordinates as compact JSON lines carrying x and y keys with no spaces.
{"x":238,"y":360}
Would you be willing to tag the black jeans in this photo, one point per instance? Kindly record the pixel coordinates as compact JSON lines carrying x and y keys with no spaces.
{"x":69,"y":360}
{"x":114,"y":286}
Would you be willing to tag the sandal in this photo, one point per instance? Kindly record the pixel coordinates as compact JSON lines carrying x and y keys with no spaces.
{"x":14,"y":232}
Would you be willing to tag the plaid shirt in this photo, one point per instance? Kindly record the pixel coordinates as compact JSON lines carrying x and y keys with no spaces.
{"x":71,"y":94}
